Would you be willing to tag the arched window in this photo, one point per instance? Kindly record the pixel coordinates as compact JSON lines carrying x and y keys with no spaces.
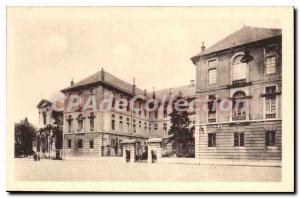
{"x":239,"y":70}
{"x":238,"y":106}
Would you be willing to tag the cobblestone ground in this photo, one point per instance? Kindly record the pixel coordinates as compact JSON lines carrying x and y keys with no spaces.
{"x":70,"y":170}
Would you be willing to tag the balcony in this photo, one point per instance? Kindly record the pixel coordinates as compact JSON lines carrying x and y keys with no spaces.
{"x":212,"y":117}
{"x":239,"y":83}
{"x":271,"y":115}
{"x":239,"y":117}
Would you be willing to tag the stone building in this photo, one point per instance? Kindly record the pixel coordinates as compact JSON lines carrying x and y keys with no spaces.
{"x":44,"y":142}
{"x":93,"y":132}
{"x":244,"y":69}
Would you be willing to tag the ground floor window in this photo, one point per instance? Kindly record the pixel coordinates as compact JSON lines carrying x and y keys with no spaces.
{"x":212,"y":140}
{"x":238,"y":139}
{"x":69,"y":143}
{"x":270,"y":138}
{"x":79,"y":143}
{"x":91,"y":143}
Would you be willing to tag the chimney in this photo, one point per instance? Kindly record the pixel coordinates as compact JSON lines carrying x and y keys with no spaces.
{"x":133,"y":86}
{"x":72,"y":82}
{"x":202,"y":47}
{"x":102,"y":74}
{"x":145,"y":92}
{"x":170,"y":91}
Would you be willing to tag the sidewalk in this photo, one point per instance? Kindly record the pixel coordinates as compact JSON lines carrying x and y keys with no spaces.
{"x":253,"y":163}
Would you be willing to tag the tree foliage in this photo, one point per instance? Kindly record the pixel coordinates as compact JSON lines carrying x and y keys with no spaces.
{"x":180,"y":133}
{"x":24,"y":135}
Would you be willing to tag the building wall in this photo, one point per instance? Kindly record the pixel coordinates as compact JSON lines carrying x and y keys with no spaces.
{"x":256,"y":124}
{"x":254,"y":141}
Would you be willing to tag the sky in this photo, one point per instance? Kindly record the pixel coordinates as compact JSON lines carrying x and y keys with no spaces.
{"x":51,"y":46}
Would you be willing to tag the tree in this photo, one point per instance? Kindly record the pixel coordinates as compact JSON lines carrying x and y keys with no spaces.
{"x":181,"y":135}
{"x":24,"y":135}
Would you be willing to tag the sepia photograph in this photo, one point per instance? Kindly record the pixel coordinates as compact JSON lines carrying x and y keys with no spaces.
{"x":150,"y":99}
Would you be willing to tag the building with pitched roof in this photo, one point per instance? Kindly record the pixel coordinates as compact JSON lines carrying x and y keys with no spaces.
{"x":90,"y":132}
{"x":243,"y":70}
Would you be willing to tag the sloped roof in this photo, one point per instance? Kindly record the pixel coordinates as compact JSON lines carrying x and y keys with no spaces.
{"x":108,"y":79}
{"x":186,"y":91}
{"x":43,"y":103}
{"x":240,"y":37}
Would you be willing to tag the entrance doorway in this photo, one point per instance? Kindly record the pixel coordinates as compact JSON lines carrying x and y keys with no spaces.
{"x":127,"y":153}
{"x":154,"y":156}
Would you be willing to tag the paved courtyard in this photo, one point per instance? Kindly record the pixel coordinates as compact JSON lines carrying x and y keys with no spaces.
{"x":72,"y":170}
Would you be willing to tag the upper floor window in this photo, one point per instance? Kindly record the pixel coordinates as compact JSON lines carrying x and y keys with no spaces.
{"x":113,"y":122}
{"x":80,"y":122}
{"x":165,"y":129}
{"x":239,"y":70}
{"x":270,"y":63}
{"x":211,"y":105}
{"x":239,"y":106}
{"x":270,"y":102}
{"x":92,"y":117}
{"x":212,"y":76}
{"x":69,"y":120}
{"x":44,"y":118}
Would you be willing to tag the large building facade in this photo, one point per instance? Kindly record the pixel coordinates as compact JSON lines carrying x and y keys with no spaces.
{"x":96,"y":132}
{"x":244,"y":70}
{"x":238,"y":79}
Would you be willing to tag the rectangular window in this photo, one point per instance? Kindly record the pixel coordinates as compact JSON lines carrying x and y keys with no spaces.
{"x":92,"y":143}
{"x":165,"y":129}
{"x":270,"y":102}
{"x":212,"y":140}
{"x":113,"y":122}
{"x":79,"y":143}
{"x":239,"y":71}
{"x":238,"y":139}
{"x":270,"y":138}
{"x":165,"y":113}
{"x":211,"y":105}
{"x":91,"y":124}
{"x":270,"y":65}
{"x":44,"y":118}
{"x":212,"y":76}
{"x":80,"y":125}
{"x":69,"y":143}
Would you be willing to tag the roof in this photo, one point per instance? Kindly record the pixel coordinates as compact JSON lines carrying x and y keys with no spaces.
{"x":43,"y":103}
{"x":108,"y":79}
{"x":186,"y":91}
{"x":240,"y":37}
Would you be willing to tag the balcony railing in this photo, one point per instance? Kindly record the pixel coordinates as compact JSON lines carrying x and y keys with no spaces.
{"x":240,"y":117}
{"x":271,"y":115}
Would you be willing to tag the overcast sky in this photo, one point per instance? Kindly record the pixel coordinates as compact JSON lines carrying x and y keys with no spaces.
{"x":53,"y":45}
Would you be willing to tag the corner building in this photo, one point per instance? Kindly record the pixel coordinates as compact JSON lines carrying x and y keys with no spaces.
{"x":245,"y":66}
{"x":89,"y":132}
